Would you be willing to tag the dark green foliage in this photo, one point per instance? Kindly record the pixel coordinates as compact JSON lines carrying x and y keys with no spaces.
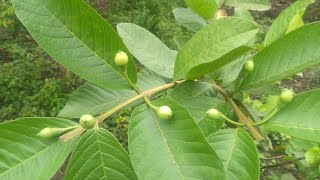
{"x":31,"y":83}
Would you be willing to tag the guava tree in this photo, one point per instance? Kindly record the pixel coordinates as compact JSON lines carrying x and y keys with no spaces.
{"x":189,"y":120}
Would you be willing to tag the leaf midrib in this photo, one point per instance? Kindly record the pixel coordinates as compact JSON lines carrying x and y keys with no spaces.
{"x":167,"y":145}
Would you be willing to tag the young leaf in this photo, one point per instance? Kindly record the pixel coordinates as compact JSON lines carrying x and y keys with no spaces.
{"x":238,"y":153}
{"x":205,"y":8}
{"x":91,"y":99}
{"x":170,"y":149}
{"x":78,"y":38}
{"x":189,"y":19}
{"x":98,"y":155}
{"x":255,"y":5}
{"x":281,"y":24}
{"x":287,"y":56}
{"x":300,"y":118}
{"x":148,"y":49}
{"x":296,"y":21}
{"x":209,"y":48}
{"x":24,"y":155}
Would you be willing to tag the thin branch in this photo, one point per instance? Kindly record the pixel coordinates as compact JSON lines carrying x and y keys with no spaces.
{"x":284,"y":163}
{"x":243,"y":118}
{"x":71,"y":134}
{"x":108,"y":113}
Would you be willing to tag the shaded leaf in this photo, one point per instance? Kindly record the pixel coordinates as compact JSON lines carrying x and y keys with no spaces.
{"x":77,"y":37}
{"x":98,"y":155}
{"x":237,"y":152}
{"x":170,"y":149}
{"x":24,"y":155}
{"x":189,"y":19}
{"x":148,"y":49}
{"x":180,"y":41}
{"x":209,"y":48}
{"x":189,"y":89}
{"x":287,"y":56}
{"x":148,"y":80}
{"x":300,"y":118}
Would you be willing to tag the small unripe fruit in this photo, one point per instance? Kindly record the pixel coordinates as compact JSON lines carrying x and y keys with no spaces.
{"x":313,"y":157}
{"x":87,"y":121}
{"x":121,"y":58}
{"x":214,"y":113}
{"x":249,"y":66}
{"x":164,"y":112}
{"x":286,"y":96}
{"x":50,"y":132}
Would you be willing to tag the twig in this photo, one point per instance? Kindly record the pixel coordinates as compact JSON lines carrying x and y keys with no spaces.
{"x":108,"y":113}
{"x":275,"y":157}
{"x":282,"y":164}
{"x":243,"y":118}
{"x":71,"y":134}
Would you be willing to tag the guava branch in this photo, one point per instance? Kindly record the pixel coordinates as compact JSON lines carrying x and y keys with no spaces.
{"x":243,"y":118}
{"x":115,"y":109}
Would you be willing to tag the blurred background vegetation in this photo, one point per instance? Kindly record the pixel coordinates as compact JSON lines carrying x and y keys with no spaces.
{"x":32,"y":84}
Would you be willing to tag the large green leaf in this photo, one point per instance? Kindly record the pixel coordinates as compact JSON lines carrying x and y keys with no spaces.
{"x":209,"y":48}
{"x":77,"y":37}
{"x":148,"y":49}
{"x":98,"y":155}
{"x":287,"y":56}
{"x":256,"y":5}
{"x":189,"y":19}
{"x":300,"y":118}
{"x":238,"y":153}
{"x":205,"y":8}
{"x":282,"y":22}
{"x":23,"y":155}
{"x":170,"y":149}
{"x":91,"y":99}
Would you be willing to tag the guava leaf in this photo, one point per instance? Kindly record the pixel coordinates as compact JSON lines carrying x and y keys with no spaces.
{"x":170,"y":149}
{"x":289,"y":55}
{"x":78,"y":38}
{"x":214,"y":46}
{"x":238,"y":153}
{"x":24,"y":155}
{"x":98,"y":155}
{"x":205,"y":8}
{"x":300,"y":118}
{"x":148,"y":49}
{"x":282,"y":22}
{"x":255,"y":5}
{"x":189,"y":19}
